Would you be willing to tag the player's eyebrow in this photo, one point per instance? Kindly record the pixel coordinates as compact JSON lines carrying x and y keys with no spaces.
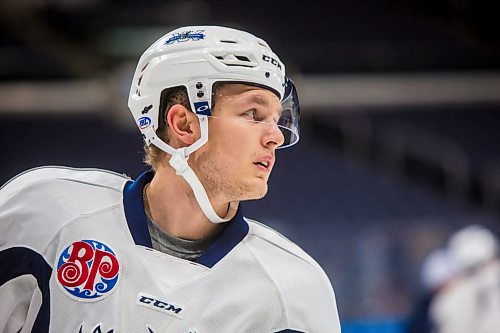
{"x":257,"y":99}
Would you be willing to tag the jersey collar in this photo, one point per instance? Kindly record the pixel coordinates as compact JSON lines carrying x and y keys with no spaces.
{"x":133,"y":203}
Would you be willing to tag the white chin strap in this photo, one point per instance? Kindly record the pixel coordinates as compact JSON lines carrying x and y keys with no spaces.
{"x":179,"y":161}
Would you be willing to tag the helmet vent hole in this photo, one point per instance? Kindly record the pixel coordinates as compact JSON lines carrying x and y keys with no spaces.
{"x":145,"y":66}
{"x":229,"y":41}
{"x":242,"y":58}
{"x":139,"y":81}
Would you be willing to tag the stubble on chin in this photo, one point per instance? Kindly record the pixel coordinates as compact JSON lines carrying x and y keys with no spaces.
{"x":217,"y":181}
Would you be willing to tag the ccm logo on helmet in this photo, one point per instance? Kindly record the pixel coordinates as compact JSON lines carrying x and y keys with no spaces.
{"x":271,"y":60}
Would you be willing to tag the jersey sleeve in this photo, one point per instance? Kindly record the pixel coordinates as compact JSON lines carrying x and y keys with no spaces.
{"x":34,"y":207}
{"x":309,"y":302}
{"x":24,"y":290}
{"x":24,"y":272}
{"x":307,"y":296}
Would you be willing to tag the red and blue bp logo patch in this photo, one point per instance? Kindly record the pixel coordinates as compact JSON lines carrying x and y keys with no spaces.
{"x":88,"y":270}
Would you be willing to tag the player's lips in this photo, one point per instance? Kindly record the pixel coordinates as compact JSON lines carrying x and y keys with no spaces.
{"x":266,"y":162}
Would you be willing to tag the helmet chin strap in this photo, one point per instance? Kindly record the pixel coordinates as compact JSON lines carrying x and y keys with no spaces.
{"x":179,"y":161}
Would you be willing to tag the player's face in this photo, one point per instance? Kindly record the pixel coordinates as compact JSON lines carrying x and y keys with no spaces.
{"x":236,"y":162}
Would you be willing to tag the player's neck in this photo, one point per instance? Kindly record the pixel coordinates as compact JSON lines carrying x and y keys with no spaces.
{"x":173,"y":207}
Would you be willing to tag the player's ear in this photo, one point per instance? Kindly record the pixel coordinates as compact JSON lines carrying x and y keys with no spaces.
{"x":183,"y":124}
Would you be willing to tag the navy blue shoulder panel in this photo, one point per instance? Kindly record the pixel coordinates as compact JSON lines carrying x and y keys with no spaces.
{"x":17,"y":261}
{"x":234,"y":233}
{"x":134,"y":209}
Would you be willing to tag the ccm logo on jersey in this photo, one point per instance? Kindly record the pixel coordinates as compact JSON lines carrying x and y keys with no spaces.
{"x":152,"y":302}
{"x":87,"y":270}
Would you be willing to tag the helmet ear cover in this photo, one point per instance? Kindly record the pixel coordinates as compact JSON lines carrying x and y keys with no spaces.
{"x":166,"y":101}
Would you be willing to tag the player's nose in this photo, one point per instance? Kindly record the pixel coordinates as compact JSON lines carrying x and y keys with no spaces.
{"x":273,"y":136}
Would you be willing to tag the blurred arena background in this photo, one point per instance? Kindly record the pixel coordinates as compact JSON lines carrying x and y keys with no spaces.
{"x":400,"y":137}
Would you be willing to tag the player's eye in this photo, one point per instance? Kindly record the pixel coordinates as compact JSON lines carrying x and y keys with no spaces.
{"x":251,"y":114}
{"x":257,"y":115}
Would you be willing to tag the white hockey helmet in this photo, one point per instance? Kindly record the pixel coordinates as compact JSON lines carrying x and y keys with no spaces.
{"x":196,"y":57}
{"x":472,"y":246}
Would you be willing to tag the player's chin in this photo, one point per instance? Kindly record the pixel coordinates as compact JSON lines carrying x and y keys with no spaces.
{"x":256,"y":191}
{"x":261,"y":191}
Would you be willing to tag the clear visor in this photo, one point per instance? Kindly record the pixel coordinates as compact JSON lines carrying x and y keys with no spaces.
{"x":284,"y":131}
{"x":289,"y":121}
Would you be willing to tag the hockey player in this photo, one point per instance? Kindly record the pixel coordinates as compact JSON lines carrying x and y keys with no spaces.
{"x":471,"y":301}
{"x":86,"y":250}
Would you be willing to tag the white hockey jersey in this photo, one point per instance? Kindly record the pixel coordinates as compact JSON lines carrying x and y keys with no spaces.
{"x":76,"y":256}
{"x":469,"y":303}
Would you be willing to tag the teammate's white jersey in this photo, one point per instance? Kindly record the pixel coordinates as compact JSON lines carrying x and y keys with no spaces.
{"x":76,"y":256}
{"x":470,"y":303}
